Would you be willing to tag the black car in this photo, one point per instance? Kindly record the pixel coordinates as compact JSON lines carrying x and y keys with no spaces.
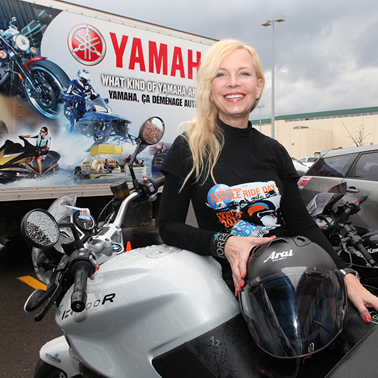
{"x":358,"y":168}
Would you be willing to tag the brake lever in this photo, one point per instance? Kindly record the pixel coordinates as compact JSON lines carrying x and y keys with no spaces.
{"x":38,"y":297}
{"x":58,"y":288}
{"x":58,"y":291}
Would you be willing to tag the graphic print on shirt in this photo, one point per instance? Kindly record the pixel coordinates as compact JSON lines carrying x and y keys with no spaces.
{"x":248,"y":209}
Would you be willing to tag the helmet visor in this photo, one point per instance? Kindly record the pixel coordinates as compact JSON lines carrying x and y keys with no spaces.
{"x":294,"y":312}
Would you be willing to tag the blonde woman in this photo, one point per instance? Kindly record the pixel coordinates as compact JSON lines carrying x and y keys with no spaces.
{"x":242,"y":184}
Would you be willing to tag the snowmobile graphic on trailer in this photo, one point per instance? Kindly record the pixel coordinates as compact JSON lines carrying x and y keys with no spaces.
{"x":102,"y":125}
{"x":90,"y":115}
{"x":158,"y":152}
{"x":19,"y":162}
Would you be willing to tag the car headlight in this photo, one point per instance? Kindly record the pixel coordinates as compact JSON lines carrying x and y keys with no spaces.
{"x":22,"y":42}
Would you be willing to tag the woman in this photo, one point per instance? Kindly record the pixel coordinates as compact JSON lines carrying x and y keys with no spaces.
{"x":242,"y":184}
{"x":42,"y":144}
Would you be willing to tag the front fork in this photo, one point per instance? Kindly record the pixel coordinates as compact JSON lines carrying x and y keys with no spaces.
{"x":23,"y":73}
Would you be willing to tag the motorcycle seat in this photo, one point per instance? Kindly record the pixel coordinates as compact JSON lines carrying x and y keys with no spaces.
{"x":360,"y":361}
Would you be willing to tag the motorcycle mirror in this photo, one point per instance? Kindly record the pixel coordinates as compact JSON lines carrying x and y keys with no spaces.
{"x":40,"y":229}
{"x":152,"y":131}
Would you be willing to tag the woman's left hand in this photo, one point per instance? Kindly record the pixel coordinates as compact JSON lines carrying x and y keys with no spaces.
{"x":360,"y":297}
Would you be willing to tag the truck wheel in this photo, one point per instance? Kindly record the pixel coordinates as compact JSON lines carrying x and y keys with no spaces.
{"x":44,"y":370}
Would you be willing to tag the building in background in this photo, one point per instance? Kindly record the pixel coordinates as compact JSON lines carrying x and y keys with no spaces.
{"x":308,"y":133}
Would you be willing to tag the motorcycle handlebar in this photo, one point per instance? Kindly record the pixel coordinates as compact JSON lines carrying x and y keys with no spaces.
{"x":79,"y":294}
{"x":159,"y":182}
{"x":368,"y":257}
{"x":363,"y":199}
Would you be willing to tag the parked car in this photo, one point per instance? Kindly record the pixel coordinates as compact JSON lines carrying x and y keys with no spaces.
{"x":358,"y":168}
{"x":300,"y":167}
{"x":308,"y":161}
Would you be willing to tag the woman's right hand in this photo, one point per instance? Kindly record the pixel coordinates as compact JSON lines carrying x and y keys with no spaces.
{"x":237,"y":251}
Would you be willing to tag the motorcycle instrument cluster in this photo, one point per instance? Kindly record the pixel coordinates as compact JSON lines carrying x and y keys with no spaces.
{"x":325,"y":222}
{"x":83,"y":223}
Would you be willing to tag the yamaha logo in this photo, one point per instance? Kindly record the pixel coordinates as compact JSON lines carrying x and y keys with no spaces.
{"x":86,"y":44}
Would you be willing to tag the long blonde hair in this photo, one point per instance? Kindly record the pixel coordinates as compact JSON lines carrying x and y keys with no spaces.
{"x":204,"y":135}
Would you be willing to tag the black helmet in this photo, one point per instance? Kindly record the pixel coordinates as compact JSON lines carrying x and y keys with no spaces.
{"x":294,"y":300}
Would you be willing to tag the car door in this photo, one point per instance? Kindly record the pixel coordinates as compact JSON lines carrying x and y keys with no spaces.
{"x":362,"y":180}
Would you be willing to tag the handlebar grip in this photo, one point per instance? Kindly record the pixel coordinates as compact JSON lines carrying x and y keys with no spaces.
{"x":159,"y":182}
{"x":363,"y":199}
{"x":368,"y":257}
{"x":79,"y":295}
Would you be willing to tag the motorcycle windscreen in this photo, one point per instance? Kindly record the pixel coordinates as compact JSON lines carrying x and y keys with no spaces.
{"x":294,"y":312}
{"x":319,"y":202}
{"x":45,"y":261}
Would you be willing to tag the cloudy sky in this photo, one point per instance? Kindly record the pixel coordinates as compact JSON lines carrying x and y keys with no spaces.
{"x":326,"y":52}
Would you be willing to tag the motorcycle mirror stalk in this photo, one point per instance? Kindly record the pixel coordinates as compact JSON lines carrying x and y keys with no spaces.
{"x":150,"y":133}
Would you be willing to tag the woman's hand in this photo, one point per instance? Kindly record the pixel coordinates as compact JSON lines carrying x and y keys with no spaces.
{"x":360,"y":297}
{"x":237,"y":251}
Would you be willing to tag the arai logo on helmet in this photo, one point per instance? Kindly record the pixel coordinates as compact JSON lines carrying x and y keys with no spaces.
{"x":86,"y":44}
{"x":276,"y":256}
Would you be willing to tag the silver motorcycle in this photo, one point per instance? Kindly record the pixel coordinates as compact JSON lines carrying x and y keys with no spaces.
{"x":157,"y":311}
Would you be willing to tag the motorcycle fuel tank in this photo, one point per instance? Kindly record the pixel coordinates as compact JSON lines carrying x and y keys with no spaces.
{"x":142,"y":304}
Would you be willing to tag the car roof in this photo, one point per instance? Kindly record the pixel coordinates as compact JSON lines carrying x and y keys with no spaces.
{"x":348,"y":150}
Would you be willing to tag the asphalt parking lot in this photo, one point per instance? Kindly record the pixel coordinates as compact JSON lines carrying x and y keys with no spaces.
{"x":21,"y":337}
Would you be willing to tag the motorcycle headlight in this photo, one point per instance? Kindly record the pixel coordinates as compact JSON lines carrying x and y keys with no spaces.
{"x":22,"y":42}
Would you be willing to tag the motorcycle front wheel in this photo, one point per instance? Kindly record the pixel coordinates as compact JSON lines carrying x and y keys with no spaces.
{"x":44,"y":370}
{"x":50,"y":79}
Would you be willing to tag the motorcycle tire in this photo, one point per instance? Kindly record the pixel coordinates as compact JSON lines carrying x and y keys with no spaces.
{"x":51,"y":79}
{"x":44,"y":370}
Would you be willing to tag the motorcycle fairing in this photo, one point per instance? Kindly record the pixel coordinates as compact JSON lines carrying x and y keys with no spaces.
{"x":57,"y":353}
{"x":225,"y":351}
{"x":160,"y":296}
{"x":34,"y":59}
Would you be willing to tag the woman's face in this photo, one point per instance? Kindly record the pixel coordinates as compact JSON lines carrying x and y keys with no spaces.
{"x":235,"y":88}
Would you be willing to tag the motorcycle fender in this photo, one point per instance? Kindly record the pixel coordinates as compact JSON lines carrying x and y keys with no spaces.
{"x":57,"y":353}
{"x":34,"y":59}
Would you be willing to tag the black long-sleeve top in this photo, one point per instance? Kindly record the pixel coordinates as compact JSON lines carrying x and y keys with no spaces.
{"x":255,"y":194}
